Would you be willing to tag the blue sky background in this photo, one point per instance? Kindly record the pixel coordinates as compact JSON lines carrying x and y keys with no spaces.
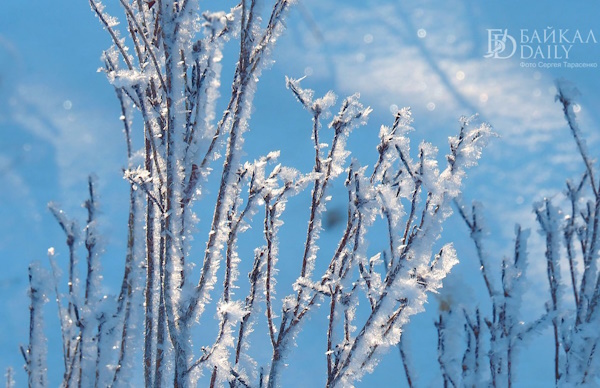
{"x":59,"y":122}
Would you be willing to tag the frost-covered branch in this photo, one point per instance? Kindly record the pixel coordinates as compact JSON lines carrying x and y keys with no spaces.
{"x":575,"y":341}
{"x":571,"y":239}
{"x":566,"y":95}
{"x":36,"y":353}
{"x":369,"y":198}
{"x":165,"y":64}
{"x":505,"y":328}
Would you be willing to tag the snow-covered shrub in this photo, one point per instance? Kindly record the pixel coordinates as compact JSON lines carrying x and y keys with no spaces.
{"x":488,"y":353}
{"x":576,"y":316}
{"x":167,"y":76}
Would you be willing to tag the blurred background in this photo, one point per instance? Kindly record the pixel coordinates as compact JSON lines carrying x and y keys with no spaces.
{"x":59,"y":122}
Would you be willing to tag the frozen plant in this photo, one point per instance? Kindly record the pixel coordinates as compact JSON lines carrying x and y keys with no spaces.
{"x":488,"y":352}
{"x":36,"y":353}
{"x":576,"y":316}
{"x":571,"y":240}
{"x":166,"y":74}
{"x":413,"y":198}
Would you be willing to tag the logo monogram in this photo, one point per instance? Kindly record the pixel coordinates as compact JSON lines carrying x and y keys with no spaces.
{"x":499,"y":42}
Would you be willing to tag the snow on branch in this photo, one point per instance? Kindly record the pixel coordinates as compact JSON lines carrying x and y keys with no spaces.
{"x":571,"y":240}
{"x":36,"y":353}
{"x":167,"y":77}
